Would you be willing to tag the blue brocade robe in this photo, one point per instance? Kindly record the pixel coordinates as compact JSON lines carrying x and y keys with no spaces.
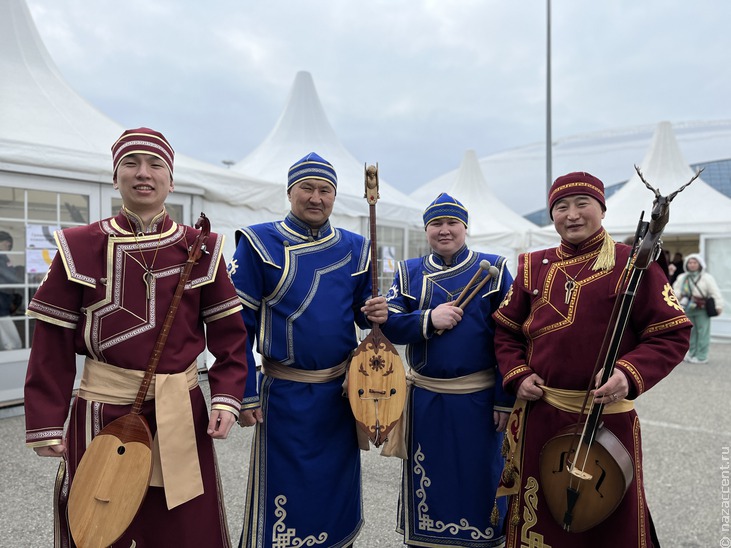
{"x":302,"y":295}
{"x":454,"y":461}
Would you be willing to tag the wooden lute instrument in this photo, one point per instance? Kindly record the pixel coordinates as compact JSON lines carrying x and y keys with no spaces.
{"x":112,"y":478}
{"x":376,"y":375}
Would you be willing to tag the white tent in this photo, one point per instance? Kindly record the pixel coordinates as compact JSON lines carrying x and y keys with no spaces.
{"x":493,"y":226}
{"x":55,"y":158}
{"x":303,"y":127}
{"x":699,"y":209}
{"x":49,"y":130}
{"x":519,"y":174}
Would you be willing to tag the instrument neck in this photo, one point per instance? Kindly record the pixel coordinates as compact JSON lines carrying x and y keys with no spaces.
{"x":374,"y":251}
{"x":375,"y":328}
{"x":194,"y":254}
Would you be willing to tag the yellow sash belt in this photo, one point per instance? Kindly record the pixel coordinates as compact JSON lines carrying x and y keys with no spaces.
{"x":175,"y":464}
{"x":572,"y":401}
{"x":395,"y":445}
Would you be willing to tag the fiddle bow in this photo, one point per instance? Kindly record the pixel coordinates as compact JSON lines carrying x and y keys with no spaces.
{"x":376,"y":375}
{"x":585,"y":470}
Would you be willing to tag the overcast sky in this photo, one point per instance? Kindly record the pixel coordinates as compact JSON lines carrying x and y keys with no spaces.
{"x":410,"y":84}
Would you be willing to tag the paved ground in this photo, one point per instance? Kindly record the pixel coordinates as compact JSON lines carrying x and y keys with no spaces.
{"x":687,"y":441}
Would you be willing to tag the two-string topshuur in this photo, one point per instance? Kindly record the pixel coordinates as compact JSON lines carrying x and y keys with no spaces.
{"x":376,"y":375}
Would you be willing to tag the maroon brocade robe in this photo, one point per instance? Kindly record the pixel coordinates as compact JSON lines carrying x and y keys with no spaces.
{"x":96,"y":301}
{"x":538,"y":332}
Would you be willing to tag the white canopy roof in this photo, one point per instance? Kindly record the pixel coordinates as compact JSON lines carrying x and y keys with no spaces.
{"x":699,"y":209}
{"x":48,"y":129}
{"x":493,"y":226}
{"x":518,"y":175}
{"x":302,"y":128}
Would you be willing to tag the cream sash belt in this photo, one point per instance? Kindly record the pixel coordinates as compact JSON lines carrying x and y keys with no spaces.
{"x":278,"y":371}
{"x":395,"y":445}
{"x":474,"y":382}
{"x":572,"y":401}
{"x":175,"y":464}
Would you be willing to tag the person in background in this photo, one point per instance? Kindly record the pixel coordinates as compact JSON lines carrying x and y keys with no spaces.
{"x":304,"y":285}
{"x":550,"y":330}
{"x":10,"y":299}
{"x":675,"y":268}
{"x":457,"y":409}
{"x":693,"y":287}
{"x":105,"y":297}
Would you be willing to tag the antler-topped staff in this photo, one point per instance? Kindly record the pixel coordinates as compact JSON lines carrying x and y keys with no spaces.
{"x":573,"y":462}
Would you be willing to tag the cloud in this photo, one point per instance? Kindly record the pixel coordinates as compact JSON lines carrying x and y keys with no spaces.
{"x":410,"y":84}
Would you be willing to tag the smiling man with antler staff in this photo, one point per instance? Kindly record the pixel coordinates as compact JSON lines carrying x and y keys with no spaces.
{"x":440,"y":306}
{"x":106,"y":295}
{"x":549,"y":341}
{"x":304,"y":284}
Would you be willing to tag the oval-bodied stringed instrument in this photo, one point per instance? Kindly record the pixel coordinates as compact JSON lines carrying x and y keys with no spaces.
{"x":111,"y":480}
{"x":602,"y":481}
{"x":376,"y":375}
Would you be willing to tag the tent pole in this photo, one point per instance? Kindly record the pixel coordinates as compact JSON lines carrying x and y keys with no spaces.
{"x":549,"y":143}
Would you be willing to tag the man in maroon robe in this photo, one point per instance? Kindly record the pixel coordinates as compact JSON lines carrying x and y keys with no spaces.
{"x":550,"y":329}
{"x":105,"y":297}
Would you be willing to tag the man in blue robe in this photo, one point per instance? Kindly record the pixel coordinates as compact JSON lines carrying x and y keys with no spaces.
{"x":456,"y":410}
{"x":304,"y":285}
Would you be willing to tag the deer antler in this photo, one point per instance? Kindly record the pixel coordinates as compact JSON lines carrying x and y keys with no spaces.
{"x":648,"y":185}
{"x":673,"y":194}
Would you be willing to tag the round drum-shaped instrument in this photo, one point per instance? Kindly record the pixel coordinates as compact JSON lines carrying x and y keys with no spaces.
{"x":583,"y":484}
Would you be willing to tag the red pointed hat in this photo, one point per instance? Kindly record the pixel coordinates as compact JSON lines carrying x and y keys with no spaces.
{"x":578,"y":182}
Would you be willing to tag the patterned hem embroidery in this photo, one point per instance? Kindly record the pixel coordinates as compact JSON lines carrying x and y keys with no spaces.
{"x":528,"y":538}
{"x":426,"y":522}
{"x":285,"y":537}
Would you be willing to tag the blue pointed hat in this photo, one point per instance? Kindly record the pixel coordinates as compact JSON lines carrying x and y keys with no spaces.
{"x":312,"y":166}
{"x":445,"y":206}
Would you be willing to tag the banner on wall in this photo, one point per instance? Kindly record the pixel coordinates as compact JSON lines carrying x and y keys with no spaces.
{"x":40,"y":248}
{"x":40,"y":237}
{"x":388,"y":259}
{"x":38,"y":261}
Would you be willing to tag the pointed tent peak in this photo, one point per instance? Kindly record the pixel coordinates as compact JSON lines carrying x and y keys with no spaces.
{"x":663,"y":167}
{"x":696,"y":209}
{"x":304,"y":127}
{"x":488,"y":214}
{"x":664,"y":161}
{"x":304,"y":114}
{"x":33,"y":88}
{"x":469,"y":178}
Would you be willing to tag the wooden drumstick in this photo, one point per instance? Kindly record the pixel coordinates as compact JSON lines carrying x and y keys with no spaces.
{"x":484,"y":265}
{"x":491,"y":273}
